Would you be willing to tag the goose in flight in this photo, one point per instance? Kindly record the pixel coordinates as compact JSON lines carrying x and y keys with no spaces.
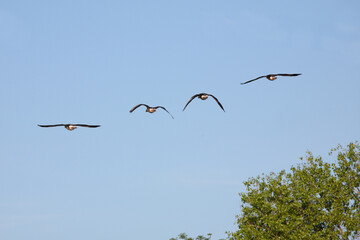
{"x":204,"y":96}
{"x":69,"y":126}
{"x":150,"y":109}
{"x":272,"y":77}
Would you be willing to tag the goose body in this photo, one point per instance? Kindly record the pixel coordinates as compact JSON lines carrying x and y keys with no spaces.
{"x":70,"y":126}
{"x":150,"y":109}
{"x":204,"y":96}
{"x":273,"y":77}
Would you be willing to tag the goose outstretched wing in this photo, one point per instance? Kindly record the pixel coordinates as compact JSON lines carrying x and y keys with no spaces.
{"x":288,"y":75}
{"x":86,"y":125}
{"x":165,"y":110}
{"x":218,"y":102}
{"x":141,"y":104}
{"x":192,"y":98}
{"x":52,"y":125}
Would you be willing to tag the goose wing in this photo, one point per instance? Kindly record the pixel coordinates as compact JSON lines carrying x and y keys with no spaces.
{"x":192,"y":98}
{"x":86,"y":125}
{"x":141,"y":104}
{"x":53,"y":125}
{"x":218,"y":102}
{"x":288,"y":75}
{"x":253,"y":79}
{"x":165,"y":110}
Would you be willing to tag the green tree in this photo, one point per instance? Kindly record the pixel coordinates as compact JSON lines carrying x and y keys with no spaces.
{"x":316,"y":200}
{"x":183,"y":236}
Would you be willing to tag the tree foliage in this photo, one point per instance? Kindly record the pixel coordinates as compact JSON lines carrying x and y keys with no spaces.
{"x":316,"y":200}
{"x":183,"y":236}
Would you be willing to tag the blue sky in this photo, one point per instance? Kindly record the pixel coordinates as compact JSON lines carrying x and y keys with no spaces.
{"x":147,"y":176}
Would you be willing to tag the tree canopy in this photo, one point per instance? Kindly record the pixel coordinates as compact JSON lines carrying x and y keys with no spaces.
{"x":316,"y":200}
{"x":183,"y":236}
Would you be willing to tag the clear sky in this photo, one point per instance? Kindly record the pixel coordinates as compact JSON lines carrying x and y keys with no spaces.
{"x":147,"y":176}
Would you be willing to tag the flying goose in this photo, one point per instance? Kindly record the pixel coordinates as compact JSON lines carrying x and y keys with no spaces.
{"x":204,"y":96}
{"x":150,"y":109}
{"x":70,"y":127}
{"x":272,"y":77}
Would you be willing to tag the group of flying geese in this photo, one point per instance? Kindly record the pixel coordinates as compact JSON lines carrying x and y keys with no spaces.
{"x":202,"y":96}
